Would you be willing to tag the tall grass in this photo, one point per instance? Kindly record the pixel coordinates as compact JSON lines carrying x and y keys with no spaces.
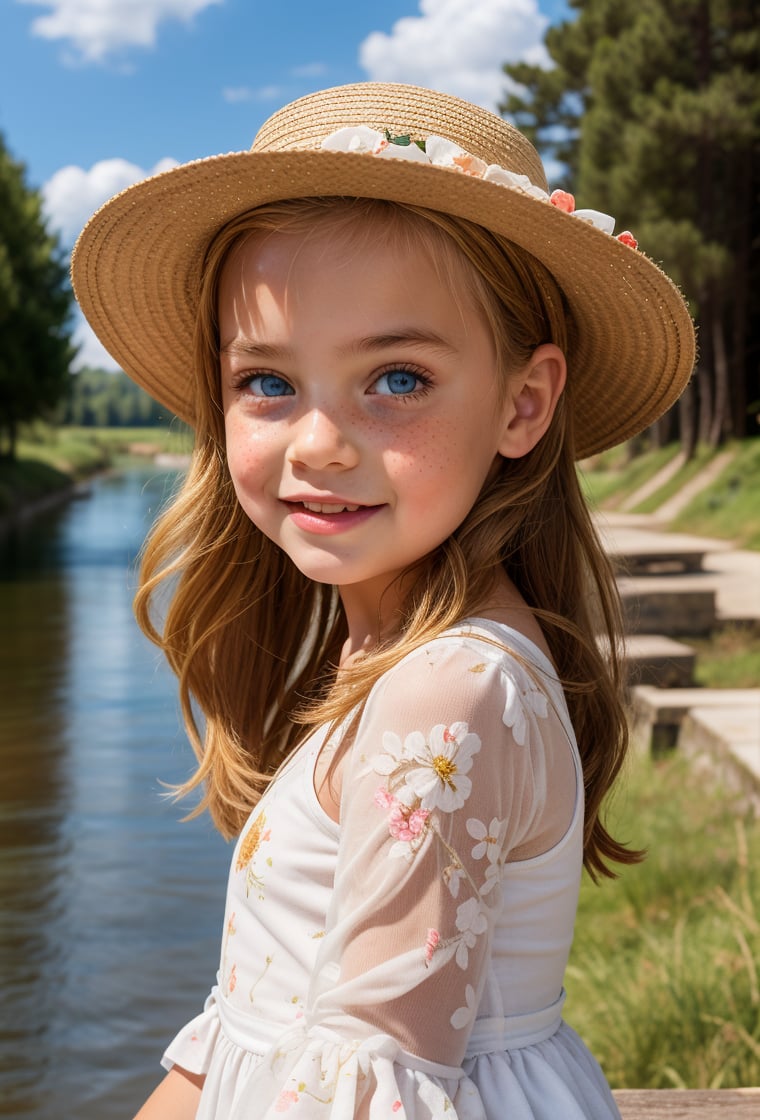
{"x":663,"y":980}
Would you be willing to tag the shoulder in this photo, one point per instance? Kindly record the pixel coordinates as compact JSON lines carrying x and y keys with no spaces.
{"x":484,"y":677}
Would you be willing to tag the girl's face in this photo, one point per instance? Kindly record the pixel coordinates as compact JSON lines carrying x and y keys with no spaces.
{"x":361,"y":401}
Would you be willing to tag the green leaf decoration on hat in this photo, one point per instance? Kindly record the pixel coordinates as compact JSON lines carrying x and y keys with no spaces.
{"x":403,"y":141}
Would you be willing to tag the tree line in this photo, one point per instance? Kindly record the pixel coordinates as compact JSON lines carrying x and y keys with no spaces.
{"x":103,"y":399}
{"x":652,"y":107}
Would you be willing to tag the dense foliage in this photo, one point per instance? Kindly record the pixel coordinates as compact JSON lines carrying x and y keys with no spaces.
{"x":110,"y":400}
{"x":35,"y":307}
{"x":654,"y":107}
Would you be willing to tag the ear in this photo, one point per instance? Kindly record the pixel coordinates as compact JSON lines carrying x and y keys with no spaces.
{"x":532,"y":395}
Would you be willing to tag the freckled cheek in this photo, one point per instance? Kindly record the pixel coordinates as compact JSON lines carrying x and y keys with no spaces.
{"x":429,"y":458}
{"x":251,"y":453}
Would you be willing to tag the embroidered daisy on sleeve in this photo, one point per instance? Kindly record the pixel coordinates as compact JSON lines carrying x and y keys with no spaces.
{"x":523,"y":704}
{"x":463,"y":1016}
{"x":438,"y":774}
{"x":471,"y":923}
{"x":490,"y":844}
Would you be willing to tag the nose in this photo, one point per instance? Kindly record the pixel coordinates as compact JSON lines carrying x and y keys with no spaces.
{"x":322,"y":441}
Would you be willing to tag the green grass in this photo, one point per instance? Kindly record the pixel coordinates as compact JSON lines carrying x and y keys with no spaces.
{"x":729,"y":658}
{"x":610,"y":478}
{"x":702,"y":457}
{"x":176,"y":439}
{"x":663,"y":978}
{"x":27,"y":481}
{"x":730,"y":508}
{"x":50,"y":459}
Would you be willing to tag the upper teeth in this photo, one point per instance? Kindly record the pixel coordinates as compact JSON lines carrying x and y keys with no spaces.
{"x":323,"y":507}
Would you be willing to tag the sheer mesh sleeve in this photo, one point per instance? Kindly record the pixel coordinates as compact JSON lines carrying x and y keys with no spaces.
{"x":446,"y":780}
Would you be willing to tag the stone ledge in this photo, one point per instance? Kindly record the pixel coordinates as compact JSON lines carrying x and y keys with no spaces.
{"x":678,"y":606}
{"x":688,"y":1104}
{"x":656,"y":660}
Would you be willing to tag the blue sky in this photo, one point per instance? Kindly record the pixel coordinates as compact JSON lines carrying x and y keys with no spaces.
{"x":96,"y":94}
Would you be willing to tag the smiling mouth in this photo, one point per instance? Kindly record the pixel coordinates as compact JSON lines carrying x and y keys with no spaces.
{"x":326,"y":507}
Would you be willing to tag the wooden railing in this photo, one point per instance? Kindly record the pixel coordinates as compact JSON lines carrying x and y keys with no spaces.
{"x":689,"y":1104}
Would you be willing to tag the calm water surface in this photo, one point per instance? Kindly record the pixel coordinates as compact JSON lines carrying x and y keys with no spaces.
{"x":111,"y":909}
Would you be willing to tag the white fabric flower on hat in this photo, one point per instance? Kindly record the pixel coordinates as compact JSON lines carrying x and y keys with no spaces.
{"x":366,"y":140}
{"x":440,"y":152}
{"x":359,"y":139}
{"x":496,"y":174}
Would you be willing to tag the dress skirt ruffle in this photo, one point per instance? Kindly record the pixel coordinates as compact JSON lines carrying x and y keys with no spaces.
{"x":315,"y":1075}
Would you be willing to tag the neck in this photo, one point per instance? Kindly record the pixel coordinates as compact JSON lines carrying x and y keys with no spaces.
{"x":373,"y":614}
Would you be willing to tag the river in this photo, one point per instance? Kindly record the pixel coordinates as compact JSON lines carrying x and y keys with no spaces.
{"x":111,"y":908}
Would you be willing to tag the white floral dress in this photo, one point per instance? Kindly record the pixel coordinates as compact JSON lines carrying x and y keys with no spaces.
{"x":407,"y":963}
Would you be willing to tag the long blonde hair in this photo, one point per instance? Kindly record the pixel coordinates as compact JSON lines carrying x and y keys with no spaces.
{"x":255,"y":644}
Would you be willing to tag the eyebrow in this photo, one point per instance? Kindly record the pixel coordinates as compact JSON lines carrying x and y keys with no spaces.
{"x":404,"y":336}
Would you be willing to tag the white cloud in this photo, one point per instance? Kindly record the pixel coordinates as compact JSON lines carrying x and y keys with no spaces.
{"x":72,"y":194}
{"x":458,"y":46}
{"x":235,"y":94}
{"x":70,"y":197}
{"x":98,"y":28}
{"x":309,"y":70}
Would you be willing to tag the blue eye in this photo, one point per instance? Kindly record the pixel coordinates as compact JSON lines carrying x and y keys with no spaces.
{"x":398,"y":382}
{"x":270,"y":385}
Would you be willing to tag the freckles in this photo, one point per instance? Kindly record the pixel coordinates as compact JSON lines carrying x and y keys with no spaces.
{"x":426,"y":457}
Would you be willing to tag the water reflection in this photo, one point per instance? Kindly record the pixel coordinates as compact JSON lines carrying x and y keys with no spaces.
{"x":111,"y":909}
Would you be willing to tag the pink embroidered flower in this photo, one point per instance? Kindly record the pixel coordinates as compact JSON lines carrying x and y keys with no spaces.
{"x":383,"y":799}
{"x":563,"y":200}
{"x":405,"y":824}
{"x":233,"y":979}
{"x":431,"y":943}
{"x":380,"y":146}
{"x":395,"y":1106}
{"x":627,"y":238}
{"x":286,"y":1098}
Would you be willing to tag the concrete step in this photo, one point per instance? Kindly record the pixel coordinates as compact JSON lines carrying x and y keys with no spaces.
{"x":688,"y":1104}
{"x":721,"y":726}
{"x":635,"y":552}
{"x":655,"y":660}
{"x":726,"y":738}
{"x":677,"y":605}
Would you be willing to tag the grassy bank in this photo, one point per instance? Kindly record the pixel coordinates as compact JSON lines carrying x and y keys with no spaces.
{"x":50,"y":460}
{"x":663,"y":979}
{"x":727,"y":509}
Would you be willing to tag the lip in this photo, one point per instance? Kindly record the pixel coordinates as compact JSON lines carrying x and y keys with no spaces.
{"x":327,"y":524}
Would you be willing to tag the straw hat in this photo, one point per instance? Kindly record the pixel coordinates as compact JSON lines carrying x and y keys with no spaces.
{"x":137,"y":264}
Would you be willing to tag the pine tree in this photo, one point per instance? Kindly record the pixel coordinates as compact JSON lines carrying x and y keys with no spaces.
{"x":655,"y":108}
{"x":35,"y":307}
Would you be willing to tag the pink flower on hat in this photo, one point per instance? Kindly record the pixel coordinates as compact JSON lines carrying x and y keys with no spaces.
{"x":627,"y":238}
{"x":471,"y":165}
{"x":563,"y":200}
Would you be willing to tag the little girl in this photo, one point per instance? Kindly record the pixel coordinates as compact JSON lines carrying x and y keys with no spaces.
{"x":395,"y":632}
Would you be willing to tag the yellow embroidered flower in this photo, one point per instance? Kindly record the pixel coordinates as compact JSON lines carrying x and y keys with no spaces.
{"x":251,"y":842}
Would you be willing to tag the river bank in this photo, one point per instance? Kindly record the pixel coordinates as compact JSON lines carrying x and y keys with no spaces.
{"x":56,"y":465}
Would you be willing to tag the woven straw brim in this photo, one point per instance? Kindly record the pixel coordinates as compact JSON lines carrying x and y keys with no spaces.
{"x":136,"y":273}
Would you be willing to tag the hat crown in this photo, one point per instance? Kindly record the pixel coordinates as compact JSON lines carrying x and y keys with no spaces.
{"x":402,"y":109}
